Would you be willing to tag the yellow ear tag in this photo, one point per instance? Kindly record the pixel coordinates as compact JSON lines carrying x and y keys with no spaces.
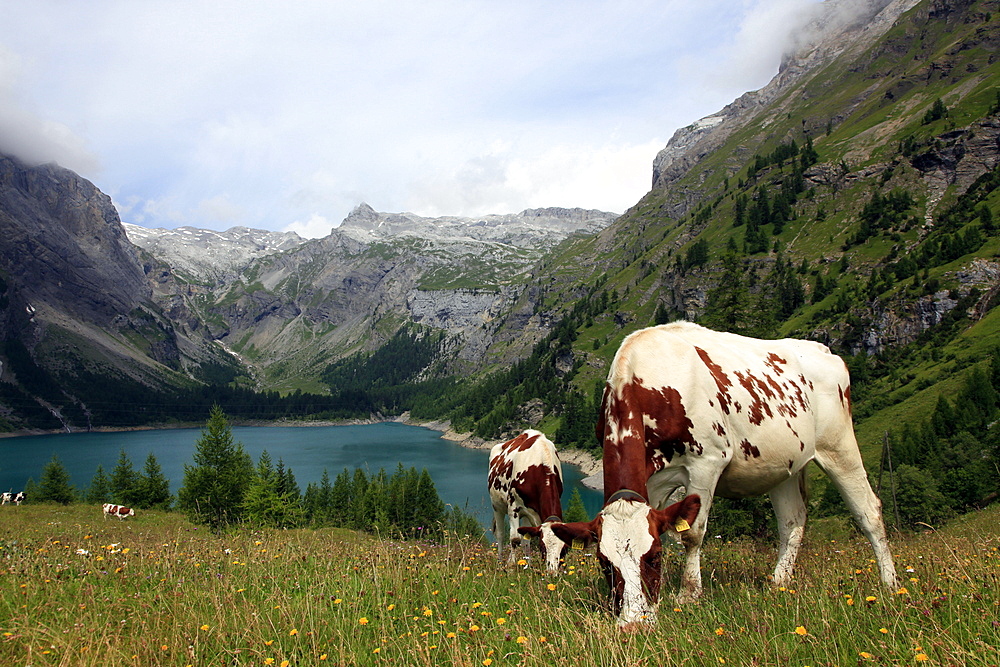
{"x":681,"y":526}
{"x":578,"y":545}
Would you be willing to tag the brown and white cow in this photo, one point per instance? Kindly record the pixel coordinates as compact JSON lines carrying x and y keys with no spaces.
{"x":718,"y":414}
{"x":119,"y":511}
{"x":525,"y":482}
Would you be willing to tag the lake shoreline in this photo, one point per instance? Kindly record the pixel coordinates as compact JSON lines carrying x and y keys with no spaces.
{"x":592,"y":467}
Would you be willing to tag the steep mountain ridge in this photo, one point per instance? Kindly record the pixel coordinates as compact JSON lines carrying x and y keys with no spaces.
{"x":842,"y":29}
{"x":75,"y":302}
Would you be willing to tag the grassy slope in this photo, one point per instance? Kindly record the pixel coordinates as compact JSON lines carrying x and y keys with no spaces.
{"x":157,"y":590}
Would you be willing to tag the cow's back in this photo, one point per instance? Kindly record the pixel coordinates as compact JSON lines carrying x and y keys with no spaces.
{"x":757,"y":408}
{"x":520,"y":467}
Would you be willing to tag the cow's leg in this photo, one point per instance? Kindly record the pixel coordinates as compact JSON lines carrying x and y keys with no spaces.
{"x":789,"y":501}
{"x":515,"y":537}
{"x":847,"y":473}
{"x":498,"y":526}
{"x":704,"y":486}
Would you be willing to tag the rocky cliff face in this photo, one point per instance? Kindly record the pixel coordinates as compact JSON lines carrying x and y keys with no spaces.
{"x":76,"y":302}
{"x":840,"y":27}
{"x":63,"y":244}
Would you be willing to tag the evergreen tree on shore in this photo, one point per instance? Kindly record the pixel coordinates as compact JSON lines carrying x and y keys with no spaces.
{"x":214,"y":487}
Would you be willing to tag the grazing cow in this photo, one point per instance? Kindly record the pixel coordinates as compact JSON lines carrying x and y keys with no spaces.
{"x":6,"y":497}
{"x":19,"y":497}
{"x":718,"y":414}
{"x":119,"y":511}
{"x":525,"y":483}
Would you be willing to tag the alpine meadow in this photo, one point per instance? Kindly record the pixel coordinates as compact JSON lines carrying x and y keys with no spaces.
{"x":854,"y":201}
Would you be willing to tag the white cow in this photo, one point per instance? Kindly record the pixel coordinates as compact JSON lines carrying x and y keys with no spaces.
{"x":718,"y":414}
{"x":525,"y":482}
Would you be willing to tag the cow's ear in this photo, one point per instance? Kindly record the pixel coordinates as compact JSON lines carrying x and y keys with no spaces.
{"x":678,"y":517}
{"x":585,"y":532}
{"x":530,"y":531}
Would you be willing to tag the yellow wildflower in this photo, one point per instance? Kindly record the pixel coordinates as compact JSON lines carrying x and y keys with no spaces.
{"x":363,"y":621}
{"x":801,"y":631}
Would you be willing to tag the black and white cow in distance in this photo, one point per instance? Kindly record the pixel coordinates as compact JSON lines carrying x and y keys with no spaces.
{"x":525,"y":482}
{"x":8,"y":497}
{"x":718,"y":414}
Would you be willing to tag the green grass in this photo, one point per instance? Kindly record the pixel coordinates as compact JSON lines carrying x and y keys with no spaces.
{"x":157,"y":590}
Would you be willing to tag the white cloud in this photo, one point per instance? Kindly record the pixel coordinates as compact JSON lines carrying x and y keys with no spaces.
{"x":220,"y":209}
{"x":315,"y":227}
{"x":610,"y":177}
{"x":29,"y":137}
{"x":288,"y":115}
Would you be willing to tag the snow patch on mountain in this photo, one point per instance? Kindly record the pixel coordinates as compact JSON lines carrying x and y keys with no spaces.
{"x":208,"y":254}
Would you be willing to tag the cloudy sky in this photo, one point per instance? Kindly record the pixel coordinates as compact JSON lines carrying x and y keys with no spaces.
{"x":286,"y":115}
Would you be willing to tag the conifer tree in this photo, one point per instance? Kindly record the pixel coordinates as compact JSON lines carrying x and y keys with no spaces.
{"x":727,"y":306}
{"x":124,"y":482}
{"x":575,"y":510}
{"x":99,"y":491}
{"x":214,"y":487}
{"x":429,"y":507}
{"x":153,"y":488}
{"x":340,"y":500}
{"x":265,"y":503}
{"x":54,"y":486}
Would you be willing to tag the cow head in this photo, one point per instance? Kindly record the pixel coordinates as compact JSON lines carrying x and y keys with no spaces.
{"x":627,"y":532}
{"x":552,"y":547}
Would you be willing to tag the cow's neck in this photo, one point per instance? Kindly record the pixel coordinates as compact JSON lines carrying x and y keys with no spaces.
{"x":625,"y":469}
{"x":549,"y":502}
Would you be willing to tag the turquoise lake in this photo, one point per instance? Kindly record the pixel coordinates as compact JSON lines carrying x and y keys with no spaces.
{"x":459,"y":473}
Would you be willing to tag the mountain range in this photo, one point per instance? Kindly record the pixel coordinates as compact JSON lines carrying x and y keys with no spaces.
{"x":836,"y":203}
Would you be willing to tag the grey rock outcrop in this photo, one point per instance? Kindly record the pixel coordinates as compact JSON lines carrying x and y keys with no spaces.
{"x":839,"y":26}
{"x":63,"y":244}
{"x":208,"y":255}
